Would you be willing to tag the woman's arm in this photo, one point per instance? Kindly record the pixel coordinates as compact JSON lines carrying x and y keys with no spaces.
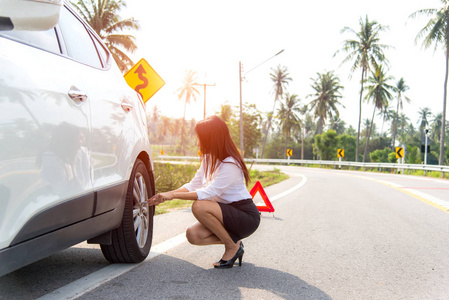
{"x":181,"y":193}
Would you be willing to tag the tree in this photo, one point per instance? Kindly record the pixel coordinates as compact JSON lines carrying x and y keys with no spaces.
{"x":347,"y":142}
{"x":281,"y":79}
{"x":394,"y":128}
{"x":289,"y":119}
{"x":379,"y":91}
{"x":403,"y":123}
{"x":102,"y":16}
{"x":366,"y":127}
{"x":436,"y":32}
{"x":325,"y":99}
{"x":251,"y":130}
{"x":164,"y":128}
{"x":380,"y":156}
{"x":366,"y":53}
{"x":338,"y":125}
{"x":352,"y":132}
{"x":187,"y":92}
{"x":225,"y":112}
{"x":435,"y":123}
{"x":400,"y":89}
{"x":424,"y":114}
{"x":326,"y":145}
{"x":387,"y":114}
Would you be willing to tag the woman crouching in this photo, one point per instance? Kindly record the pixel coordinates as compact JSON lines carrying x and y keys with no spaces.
{"x":223,"y":206}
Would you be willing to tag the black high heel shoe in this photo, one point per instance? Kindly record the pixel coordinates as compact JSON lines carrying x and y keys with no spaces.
{"x":225,"y":264}
{"x":223,"y":261}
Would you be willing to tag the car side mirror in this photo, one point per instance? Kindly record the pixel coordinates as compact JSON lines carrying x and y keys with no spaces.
{"x":32,"y":15}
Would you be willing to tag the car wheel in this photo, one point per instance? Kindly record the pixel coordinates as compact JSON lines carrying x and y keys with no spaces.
{"x":131,"y":242}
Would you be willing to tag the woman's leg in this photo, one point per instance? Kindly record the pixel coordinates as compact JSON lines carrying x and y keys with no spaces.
{"x":212,"y":231}
{"x":199,"y":235}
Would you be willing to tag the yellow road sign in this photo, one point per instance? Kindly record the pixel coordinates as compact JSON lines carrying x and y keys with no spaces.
{"x":341,"y":153}
{"x":144,"y":80}
{"x":162,"y":152}
{"x":399,"y":152}
{"x":289,"y":152}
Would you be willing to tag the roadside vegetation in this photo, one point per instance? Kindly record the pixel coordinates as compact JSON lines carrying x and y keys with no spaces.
{"x":433,"y":174}
{"x":311,"y":124}
{"x":308,"y":124}
{"x":172,"y":176}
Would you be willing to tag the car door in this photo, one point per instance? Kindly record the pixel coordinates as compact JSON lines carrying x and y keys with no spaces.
{"x":112,"y":113}
{"x":45,"y":137}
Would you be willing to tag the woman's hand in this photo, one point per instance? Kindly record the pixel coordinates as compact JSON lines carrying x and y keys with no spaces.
{"x":160,"y":198}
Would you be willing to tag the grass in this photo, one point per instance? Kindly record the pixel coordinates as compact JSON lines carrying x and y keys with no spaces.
{"x":433,"y":174}
{"x":266,"y":178}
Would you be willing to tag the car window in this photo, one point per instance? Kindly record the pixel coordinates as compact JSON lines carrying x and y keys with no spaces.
{"x":46,"y":40}
{"x":77,"y":40}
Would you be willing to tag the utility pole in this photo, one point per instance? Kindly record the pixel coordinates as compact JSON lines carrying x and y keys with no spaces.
{"x":204,"y":85}
{"x":241,"y":77}
{"x":425,"y":147}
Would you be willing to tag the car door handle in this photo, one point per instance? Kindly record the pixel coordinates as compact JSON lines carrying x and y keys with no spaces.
{"x":76,"y":94}
{"x":126,"y":106}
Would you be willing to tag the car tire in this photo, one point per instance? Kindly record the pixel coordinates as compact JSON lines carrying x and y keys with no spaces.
{"x":131,"y":242}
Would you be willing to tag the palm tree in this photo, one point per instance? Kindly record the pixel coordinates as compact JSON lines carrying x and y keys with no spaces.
{"x":174,"y":131}
{"x":366,"y":53}
{"x":225,"y":113}
{"x":404,"y":125}
{"x":327,"y":92}
{"x":436,"y":33}
{"x":338,"y":125}
{"x":187,"y":92}
{"x":102,"y":16}
{"x":289,"y":119}
{"x":387,"y":114}
{"x":436,"y":127}
{"x":394,"y":126}
{"x":164,"y":128}
{"x":366,"y":127}
{"x":379,"y":91}
{"x":400,"y":89}
{"x":281,"y":79}
{"x":424,"y":114}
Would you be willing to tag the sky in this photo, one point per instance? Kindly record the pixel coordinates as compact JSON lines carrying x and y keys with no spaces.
{"x":212,"y":37}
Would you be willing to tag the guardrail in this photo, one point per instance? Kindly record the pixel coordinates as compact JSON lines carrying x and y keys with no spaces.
{"x":350,"y":164}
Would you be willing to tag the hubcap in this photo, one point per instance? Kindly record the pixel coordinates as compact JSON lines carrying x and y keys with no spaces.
{"x":141,"y":214}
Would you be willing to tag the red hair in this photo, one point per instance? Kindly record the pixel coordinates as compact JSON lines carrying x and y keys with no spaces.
{"x":216,"y":145}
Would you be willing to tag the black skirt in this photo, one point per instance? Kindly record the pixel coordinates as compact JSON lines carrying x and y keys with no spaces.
{"x":240,"y":218}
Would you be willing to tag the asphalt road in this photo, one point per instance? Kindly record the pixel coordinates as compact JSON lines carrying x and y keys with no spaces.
{"x":334,"y":235}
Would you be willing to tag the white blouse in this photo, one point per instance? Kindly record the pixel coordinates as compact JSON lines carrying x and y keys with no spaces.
{"x":226,"y":185}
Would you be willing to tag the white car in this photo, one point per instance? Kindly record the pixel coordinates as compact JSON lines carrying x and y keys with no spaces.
{"x":75,"y":160}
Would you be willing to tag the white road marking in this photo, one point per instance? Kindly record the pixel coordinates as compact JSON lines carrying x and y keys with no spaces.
{"x":90,"y":282}
{"x":291,"y":190}
{"x":437,"y":202}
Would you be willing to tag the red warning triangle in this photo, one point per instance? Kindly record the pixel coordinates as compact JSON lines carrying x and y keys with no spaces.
{"x":258,"y":188}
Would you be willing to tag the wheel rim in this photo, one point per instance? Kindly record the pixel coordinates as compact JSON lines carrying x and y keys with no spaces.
{"x":141,"y":214}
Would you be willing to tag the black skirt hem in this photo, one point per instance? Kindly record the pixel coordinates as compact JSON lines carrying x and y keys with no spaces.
{"x":240,"y":218}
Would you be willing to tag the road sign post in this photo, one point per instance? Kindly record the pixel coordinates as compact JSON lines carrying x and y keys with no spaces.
{"x":399,"y":155}
{"x":425,"y":148}
{"x":340,"y":154}
{"x":399,"y":152}
{"x":289,"y":153}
